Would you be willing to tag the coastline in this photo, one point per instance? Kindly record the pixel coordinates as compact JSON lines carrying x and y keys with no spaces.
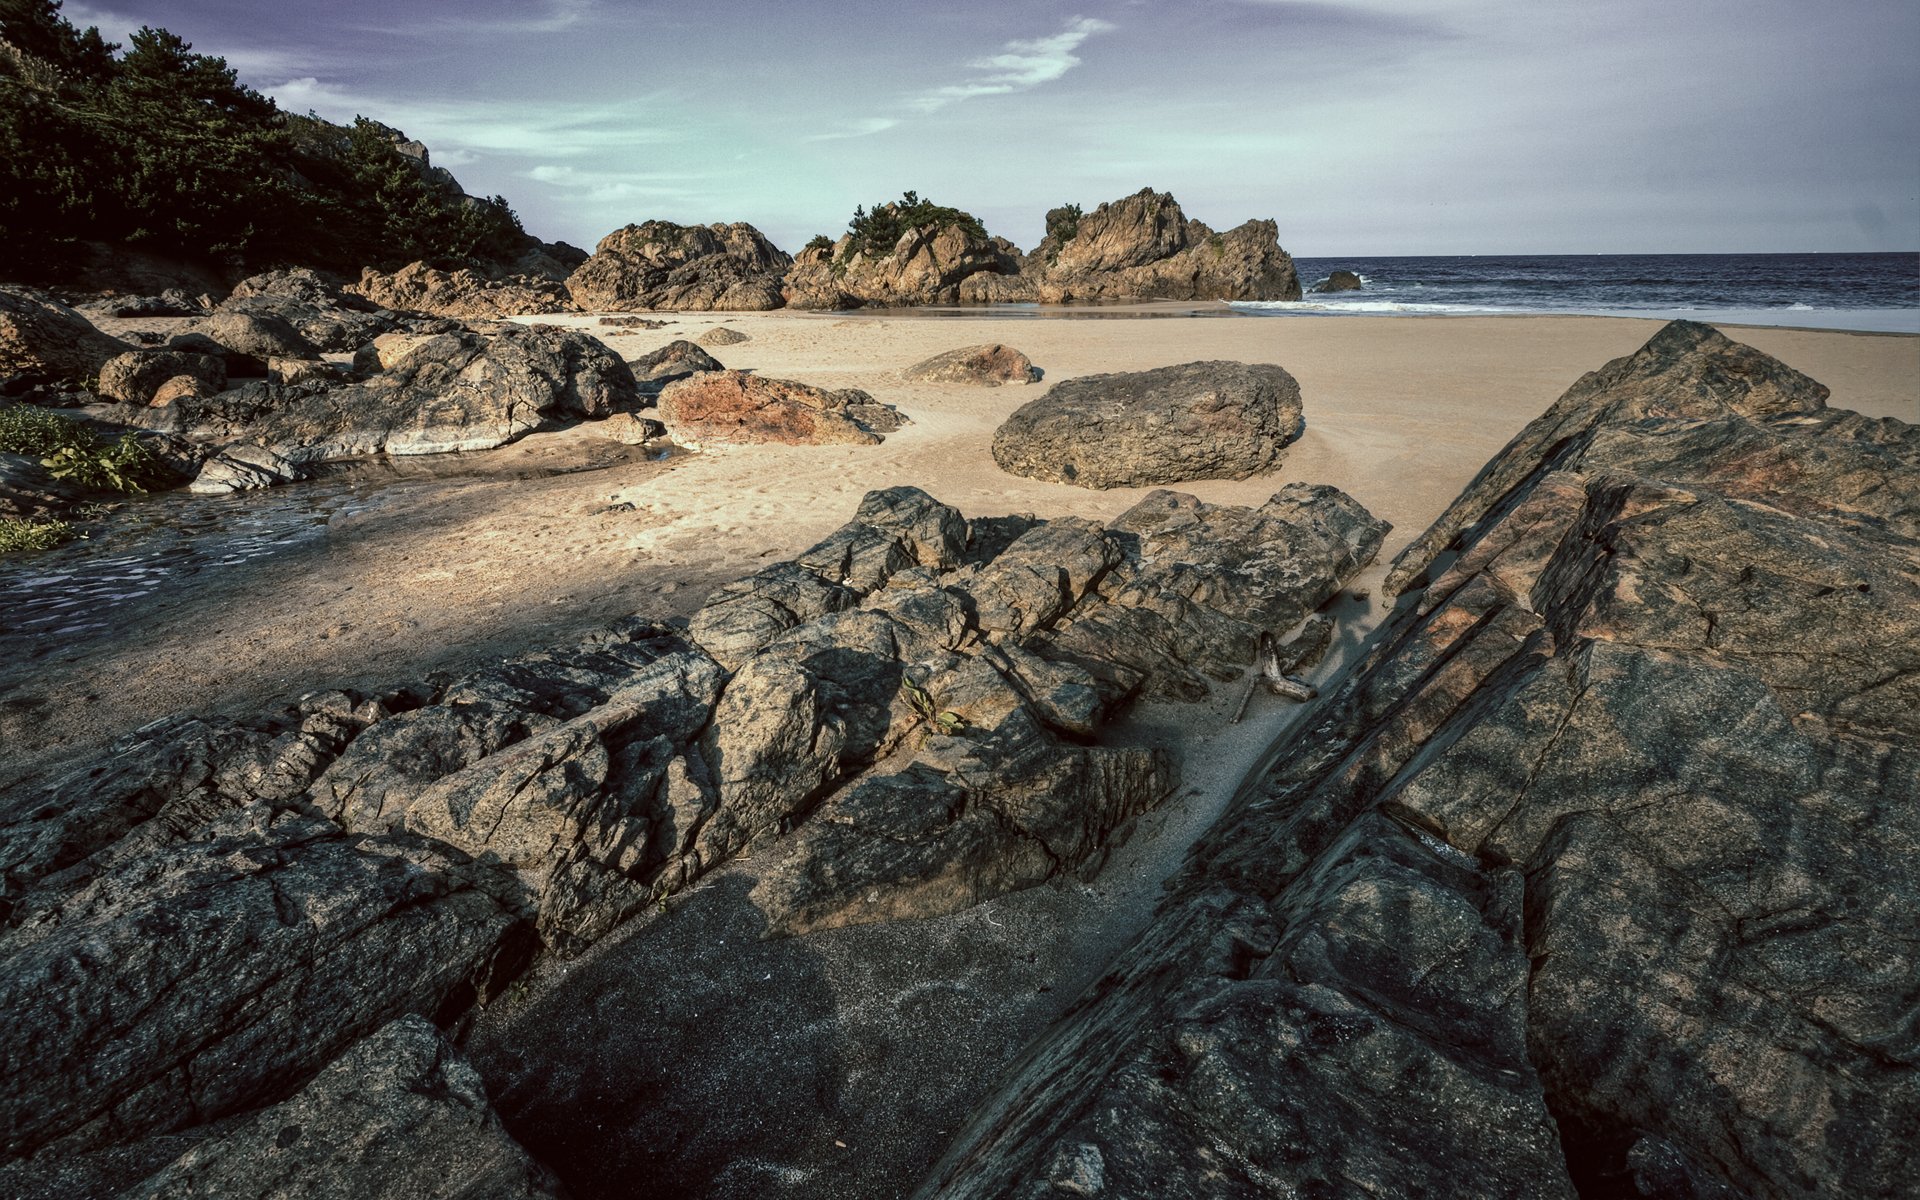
{"x":1400,"y":412}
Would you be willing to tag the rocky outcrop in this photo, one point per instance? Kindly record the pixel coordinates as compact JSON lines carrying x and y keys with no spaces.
{"x":1204,"y":420}
{"x":262,"y":334}
{"x":463,"y":294}
{"x":1144,"y":247}
{"x":1339,"y":281}
{"x":331,"y":317}
{"x":927,"y":265}
{"x":44,"y":341}
{"x":738,"y":407}
{"x":427,"y":394}
{"x":401,"y":1114}
{"x":660,"y":265}
{"x":1588,"y":880}
{"x":985,"y":366}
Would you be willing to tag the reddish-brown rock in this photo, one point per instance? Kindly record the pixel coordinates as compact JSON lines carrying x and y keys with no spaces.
{"x":734,"y":406}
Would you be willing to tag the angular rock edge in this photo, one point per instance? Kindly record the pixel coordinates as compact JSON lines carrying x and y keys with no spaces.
{"x":1594,"y":877}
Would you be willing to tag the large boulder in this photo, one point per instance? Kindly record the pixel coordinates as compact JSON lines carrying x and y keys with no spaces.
{"x":1593,"y":878}
{"x":735,"y":406}
{"x":261,"y":334}
{"x":462,"y":294}
{"x":401,"y":1114}
{"x":1144,"y":247}
{"x":134,"y":377}
{"x":1202,"y":420}
{"x":43,"y":340}
{"x":987,"y":365}
{"x":427,"y":394}
{"x":660,"y":265}
{"x":1339,"y":281}
{"x":326,"y":314}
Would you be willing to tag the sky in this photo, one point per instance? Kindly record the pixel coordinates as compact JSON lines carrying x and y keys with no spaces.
{"x":1363,"y":127}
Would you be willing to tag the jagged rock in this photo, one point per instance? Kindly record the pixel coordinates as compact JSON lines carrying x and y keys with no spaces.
{"x":675,"y":360}
{"x":1204,"y":420}
{"x":327,"y":315}
{"x":401,"y":1114}
{"x":1595,"y":861}
{"x":173,"y":302}
{"x":207,"y":977}
{"x":660,"y":265}
{"x":432,"y":394}
{"x":239,"y":468}
{"x":632,"y":323}
{"x":1145,"y":247}
{"x":464,"y":294}
{"x":720,"y":335}
{"x":1339,"y":281}
{"x":292,"y":371}
{"x":46,"y":341}
{"x":988,"y":366}
{"x":735,"y":406}
{"x":301,"y":285}
{"x":926,"y":266}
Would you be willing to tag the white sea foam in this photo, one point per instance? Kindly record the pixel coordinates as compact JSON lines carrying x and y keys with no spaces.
{"x":1862,"y":320}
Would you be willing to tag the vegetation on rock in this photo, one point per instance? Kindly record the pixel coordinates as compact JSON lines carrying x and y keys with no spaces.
{"x":20,"y":533}
{"x":72,"y":451}
{"x":160,"y":148}
{"x":877,"y":232}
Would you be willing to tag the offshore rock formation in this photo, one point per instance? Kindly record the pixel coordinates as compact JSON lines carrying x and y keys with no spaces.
{"x":1143,"y":247}
{"x":1201,"y":420}
{"x":1593,"y":879}
{"x":927,"y":265}
{"x":196,"y":925}
{"x":658,"y":264}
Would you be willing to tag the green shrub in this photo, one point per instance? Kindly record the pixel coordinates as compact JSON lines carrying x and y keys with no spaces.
{"x":71,"y":451}
{"x":18,"y":533}
{"x":820,"y":241}
{"x":876,"y":233}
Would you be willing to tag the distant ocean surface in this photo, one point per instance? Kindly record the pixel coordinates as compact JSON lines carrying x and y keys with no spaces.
{"x":1876,"y":292}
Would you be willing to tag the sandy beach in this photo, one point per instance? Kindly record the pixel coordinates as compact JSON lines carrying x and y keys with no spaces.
{"x":503,"y":554}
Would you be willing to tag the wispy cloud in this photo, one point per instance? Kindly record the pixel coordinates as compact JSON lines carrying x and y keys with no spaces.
{"x":1020,"y":66}
{"x":606,"y":185}
{"x":854,"y":129}
{"x":551,"y":16}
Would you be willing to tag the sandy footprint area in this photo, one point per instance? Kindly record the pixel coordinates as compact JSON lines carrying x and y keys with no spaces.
{"x":513,"y":549}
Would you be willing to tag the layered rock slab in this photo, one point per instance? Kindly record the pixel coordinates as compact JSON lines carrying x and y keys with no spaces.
{"x":1201,"y":420}
{"x":1643,"y":710}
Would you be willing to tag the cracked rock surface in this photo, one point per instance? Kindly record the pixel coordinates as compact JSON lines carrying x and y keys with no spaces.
{"x":1595,"y":878}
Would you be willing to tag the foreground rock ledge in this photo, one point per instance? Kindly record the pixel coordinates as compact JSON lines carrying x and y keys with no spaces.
{"x":1595,"y":878}
{"x":901,"y":722}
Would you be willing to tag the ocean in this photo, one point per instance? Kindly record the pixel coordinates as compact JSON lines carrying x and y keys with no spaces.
{"x":1873,"y":292}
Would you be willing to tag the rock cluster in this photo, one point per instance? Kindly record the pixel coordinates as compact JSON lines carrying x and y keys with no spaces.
{"x":1592,"y":879}
{"x":196,"y":925}
{"x":659,"y":265}
{"x":418,"y":394}
{"x":927,"y":265}
{"x":463,"y":294}
{"x":1202,"y":420}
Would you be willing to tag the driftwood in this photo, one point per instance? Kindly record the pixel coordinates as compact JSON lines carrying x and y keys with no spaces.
{"x":1274,"y":664}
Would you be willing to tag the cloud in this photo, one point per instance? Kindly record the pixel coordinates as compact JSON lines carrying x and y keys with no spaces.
{"x":554,"y":16}
{"x":614,"y":185}
{"x":862,"y":128}
{"x":1020,"y":66}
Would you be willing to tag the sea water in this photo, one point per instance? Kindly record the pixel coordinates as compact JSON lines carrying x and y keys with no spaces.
{"x":1872,"y":292}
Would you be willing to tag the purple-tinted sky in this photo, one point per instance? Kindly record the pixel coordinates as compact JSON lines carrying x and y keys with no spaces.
{"x":1362,"y":126}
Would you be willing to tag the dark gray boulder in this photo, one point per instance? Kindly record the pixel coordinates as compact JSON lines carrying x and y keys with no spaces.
{"x":1201,"y":420}
{"x":675,"y":360}
{"x":1339,"y":281}
{"x":401,"y":1114}
{"x":260,"y":334}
